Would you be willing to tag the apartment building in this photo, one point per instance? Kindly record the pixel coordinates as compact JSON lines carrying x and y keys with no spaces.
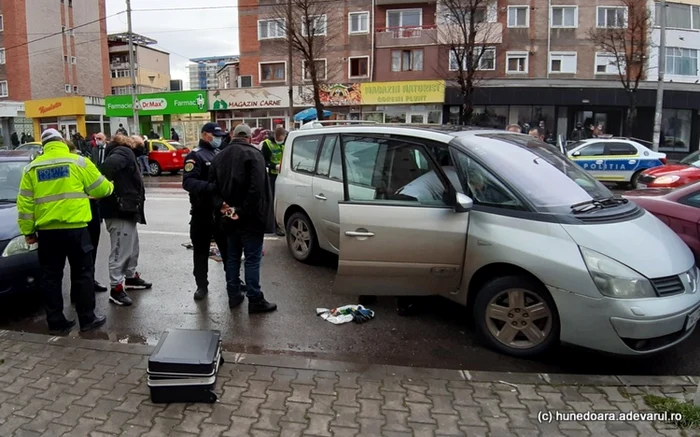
{"x":227,"y":77}
{"x":539,"y":65}
{"x":69,"y":62}
{"x":151,"y":66}
{"x":203,"y":71}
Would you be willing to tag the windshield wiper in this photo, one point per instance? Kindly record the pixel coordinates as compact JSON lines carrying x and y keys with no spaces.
{"x":590,"y":205}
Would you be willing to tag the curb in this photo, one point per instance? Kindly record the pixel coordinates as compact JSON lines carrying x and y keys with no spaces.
{"x":372,"y":370}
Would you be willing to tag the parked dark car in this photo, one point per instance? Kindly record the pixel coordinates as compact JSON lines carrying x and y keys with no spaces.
{"x":19,"y":263}
{"x":679,"y":209}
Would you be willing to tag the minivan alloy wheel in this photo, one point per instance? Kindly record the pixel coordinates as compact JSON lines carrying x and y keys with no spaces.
{"x":300,"y":237}
{"x":519,"y":318}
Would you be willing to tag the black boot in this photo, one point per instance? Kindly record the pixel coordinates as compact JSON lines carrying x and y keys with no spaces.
{"x":99,"y":288}
{"x":260,"y":305}
{"x":201,"y":293}
{"x":235,"y":301}
{"x":136,"y":281}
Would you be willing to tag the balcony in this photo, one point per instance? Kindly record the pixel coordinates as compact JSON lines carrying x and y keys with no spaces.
{"x":120,"y":66}
{"x":406,"y":36}
{"x":401,"y":2}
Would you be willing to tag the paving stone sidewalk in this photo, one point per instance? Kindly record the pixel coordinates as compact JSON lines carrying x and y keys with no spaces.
{"x":51,"y":386}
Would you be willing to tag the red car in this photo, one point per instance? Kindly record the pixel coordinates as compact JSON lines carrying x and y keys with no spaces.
{"x":679,"y":209}
{"x":166,"y":156}
{"x":685,"y":172}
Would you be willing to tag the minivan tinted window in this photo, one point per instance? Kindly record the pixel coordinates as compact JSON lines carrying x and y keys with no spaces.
{"x":550,"y":180}
{"x":304,"y":150}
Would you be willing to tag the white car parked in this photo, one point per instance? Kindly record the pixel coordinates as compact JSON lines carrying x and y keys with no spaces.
{"x":614,"y":159}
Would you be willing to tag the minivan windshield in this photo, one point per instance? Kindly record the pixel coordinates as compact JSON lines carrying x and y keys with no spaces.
{"x":539,"y":171}
{"x":692,"y":159}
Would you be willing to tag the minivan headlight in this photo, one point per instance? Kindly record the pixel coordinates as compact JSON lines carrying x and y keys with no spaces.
{"x":615,"y":279}
{"x":17,"y":246}
{"x":694,"y":279}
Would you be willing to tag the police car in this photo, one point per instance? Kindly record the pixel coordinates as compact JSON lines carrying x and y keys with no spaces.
{"x":616,"y":160}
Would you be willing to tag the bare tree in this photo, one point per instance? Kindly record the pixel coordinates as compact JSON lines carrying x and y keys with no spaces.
{"x":624,"y":35}
{"x":309,"y":25}
{"x":464,"y":28}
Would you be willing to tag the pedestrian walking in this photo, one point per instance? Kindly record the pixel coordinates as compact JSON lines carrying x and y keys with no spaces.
{"x":122,"y":212}
{"x":578,"y":133}
{"x":141,"y":152}
{"x":173,"y":135}
{"x":205,"y":225}
{"x":272,"y":149}
{"x":243,"y":194}
{"x":515,"y":128}
{"x":53,"y":207}
{"x":537,"y":132}
{"x":23,"y":139}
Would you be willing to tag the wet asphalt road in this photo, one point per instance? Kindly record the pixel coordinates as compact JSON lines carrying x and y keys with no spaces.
{"x":438,"y":337}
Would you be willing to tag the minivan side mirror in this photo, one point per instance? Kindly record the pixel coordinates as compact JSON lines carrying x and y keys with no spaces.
{"x":576,"y":154}
{"x":463,"y":203}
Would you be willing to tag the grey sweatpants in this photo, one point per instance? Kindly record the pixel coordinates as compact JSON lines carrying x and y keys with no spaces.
{"x":124,"y":255}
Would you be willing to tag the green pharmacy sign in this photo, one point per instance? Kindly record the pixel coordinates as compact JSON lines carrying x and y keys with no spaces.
{"x":178,"y":102}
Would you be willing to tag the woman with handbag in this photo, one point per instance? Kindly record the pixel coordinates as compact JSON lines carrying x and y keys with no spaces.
{"x":122,"y":211}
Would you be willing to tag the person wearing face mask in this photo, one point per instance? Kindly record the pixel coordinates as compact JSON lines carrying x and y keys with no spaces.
{"x":204,"y":224}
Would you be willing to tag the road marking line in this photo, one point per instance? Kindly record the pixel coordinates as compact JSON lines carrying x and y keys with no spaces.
{"x":185,"y":234}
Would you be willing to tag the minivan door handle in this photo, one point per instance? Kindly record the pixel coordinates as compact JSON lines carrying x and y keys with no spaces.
{"x":359,"y":233}
{"x":320,"y":196}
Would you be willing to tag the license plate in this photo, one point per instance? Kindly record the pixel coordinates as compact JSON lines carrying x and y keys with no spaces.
{"x":641,"y":185}
{"x":692,"y":319}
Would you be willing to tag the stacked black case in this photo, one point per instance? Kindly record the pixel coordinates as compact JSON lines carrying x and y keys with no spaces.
{"x":184,"y":365}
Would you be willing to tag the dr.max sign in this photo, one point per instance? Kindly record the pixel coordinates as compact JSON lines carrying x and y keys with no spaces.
{"x":179,"y":102}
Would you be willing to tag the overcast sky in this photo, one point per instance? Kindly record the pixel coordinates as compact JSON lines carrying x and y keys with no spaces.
{"x":184,"y":34}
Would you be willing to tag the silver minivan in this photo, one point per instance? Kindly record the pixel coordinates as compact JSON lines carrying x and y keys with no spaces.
{"x":537,"y":249}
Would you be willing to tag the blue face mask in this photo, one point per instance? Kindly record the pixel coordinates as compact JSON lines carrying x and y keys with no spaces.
{"x":216,"y":142}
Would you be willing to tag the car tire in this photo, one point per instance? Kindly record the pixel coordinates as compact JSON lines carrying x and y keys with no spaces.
{"x":154,"y":168}
{"x":301,"y":238}
{"x":635,"y":179}
{"x":532,"y":336}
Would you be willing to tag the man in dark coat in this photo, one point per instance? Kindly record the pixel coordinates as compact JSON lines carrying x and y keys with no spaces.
{"x":243,"y":194}
{"x":122,"y":211}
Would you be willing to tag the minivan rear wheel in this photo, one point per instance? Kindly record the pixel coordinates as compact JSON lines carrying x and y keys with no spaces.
{"x":516,"y":316}
{"x":301,"y":238}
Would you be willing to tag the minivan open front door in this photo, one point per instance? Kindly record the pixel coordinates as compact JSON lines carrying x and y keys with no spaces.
{"x":400,"y":250}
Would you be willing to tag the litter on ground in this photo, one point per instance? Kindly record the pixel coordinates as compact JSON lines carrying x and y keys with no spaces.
{"x":346,"y":314}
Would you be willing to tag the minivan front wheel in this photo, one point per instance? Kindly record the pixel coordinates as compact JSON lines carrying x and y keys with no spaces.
{"x":516,"y":316}
{"x":301,"y":237}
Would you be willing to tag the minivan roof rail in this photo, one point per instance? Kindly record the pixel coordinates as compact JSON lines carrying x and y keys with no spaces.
{"x":320,"y":123}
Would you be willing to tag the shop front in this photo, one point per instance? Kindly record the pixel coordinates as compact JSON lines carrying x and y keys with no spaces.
{"x":343,"y":100}
{"x":155,"y":110}
{"x":413,"y":102}
{"x":69,"y":115}
{"x":256,"y":107}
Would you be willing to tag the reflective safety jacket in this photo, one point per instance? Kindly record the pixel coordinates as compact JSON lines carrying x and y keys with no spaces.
{"x":54,"y":190}
{"x":273,"y":154}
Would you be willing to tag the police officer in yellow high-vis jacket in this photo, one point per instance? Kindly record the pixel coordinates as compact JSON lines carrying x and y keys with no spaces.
{"x":54,"y":210}
{"x":272,"y":150}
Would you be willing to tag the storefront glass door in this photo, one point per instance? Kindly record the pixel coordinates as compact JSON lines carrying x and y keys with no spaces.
{"x":418,"y":118}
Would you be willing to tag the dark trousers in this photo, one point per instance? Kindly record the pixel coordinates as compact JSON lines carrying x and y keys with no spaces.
{"x":273,"y":178}
{"x":203,"y":228}
{"x":249,"y":244}
{"x":93,"y":229}
{"x":55,"y":246}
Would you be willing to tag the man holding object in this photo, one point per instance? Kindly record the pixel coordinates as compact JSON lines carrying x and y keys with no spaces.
{"x":244,"y":196}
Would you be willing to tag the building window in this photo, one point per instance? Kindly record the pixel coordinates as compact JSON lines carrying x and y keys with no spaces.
{"x":2,"y":56}
{"x":679,"y":16}
{"x":72,"y":32}
{"x":271,"y":29}
{"x":398,"y":18}
{"x":75,"y":89}
{"x":518,"y":16}
{"x":70,"y":3}
{"x":487,"y":60}
{"x":273,"y":72}
{"x":68,"y":88}
{"x":359,"y":67}
{"x":565,"y":16}
{"x":245,"y":81}
{"x":2,"y":23}
{"x":73,"y":60}
{"x":320,"y":70}
{"x":562,"y":62}
{"x":65,"y":58}
{"x":3,"y":89}
{"x":606,"y":63}
{"x":318,"y":24}
{"x":612,"y":16}
{"x":407,"y":60}
{"x":517,"y":62}
{"x":358,"y":22}
{"x":676,"y":125}
{"x":63,"y":29}
{"x":681,"y":62}
{"x":119,"y":73}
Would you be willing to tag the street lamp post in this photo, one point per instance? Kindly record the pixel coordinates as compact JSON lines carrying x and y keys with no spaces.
{"x":658,"y":113}
{"x":132,"y":70}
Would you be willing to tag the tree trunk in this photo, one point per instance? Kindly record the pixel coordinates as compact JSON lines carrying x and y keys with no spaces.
{"x":631,"y":115}
{"x":317,"y":100}
{"x":467,"y":108}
